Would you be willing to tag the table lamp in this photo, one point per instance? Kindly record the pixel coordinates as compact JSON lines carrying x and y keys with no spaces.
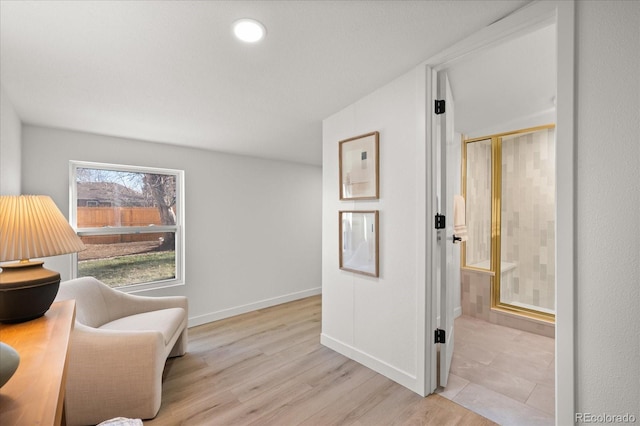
{"x":31,"y":226}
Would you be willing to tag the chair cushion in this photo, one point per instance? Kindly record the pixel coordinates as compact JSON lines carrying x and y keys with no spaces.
{"x":166,"y":321}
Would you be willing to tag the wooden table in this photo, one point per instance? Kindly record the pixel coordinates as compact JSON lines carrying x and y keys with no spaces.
{"x":35,"y":393}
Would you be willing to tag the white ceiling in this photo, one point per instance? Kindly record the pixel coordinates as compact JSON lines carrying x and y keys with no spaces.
{"x":171,"y":72}
{"x":507,"y":82}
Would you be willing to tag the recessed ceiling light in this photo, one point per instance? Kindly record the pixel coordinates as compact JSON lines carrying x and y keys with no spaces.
{"x":249,"y":30}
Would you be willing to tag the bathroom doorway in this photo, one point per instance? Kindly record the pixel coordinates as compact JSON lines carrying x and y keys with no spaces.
{"x":505,"y":104}
{"x":510,"y":84}
{"x":502,"y":364}
{"x":469,"y":83}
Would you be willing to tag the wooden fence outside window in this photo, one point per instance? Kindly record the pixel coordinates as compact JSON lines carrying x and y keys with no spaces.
{"x":98,"y":217}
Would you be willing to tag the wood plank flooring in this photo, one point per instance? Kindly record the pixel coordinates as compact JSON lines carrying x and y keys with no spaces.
{"x":268,"y":368}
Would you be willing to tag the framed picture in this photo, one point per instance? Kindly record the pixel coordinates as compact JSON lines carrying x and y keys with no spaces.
{"x":359,"y":167}
{"x":359,"y":241}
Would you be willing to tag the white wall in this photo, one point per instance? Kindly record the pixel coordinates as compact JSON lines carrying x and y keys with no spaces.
{"x":253,"y":226}
{"x":10,"y":135}
{"x":360,"y":316}
{"x":608,"y":207}
{"x":376,"y":321}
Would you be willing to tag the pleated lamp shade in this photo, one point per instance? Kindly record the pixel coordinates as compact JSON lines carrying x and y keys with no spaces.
{"x":31,"y":226}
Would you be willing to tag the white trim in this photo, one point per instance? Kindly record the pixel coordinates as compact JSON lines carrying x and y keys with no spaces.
{"x":254,"y":306}
{"x":125,"y":167}
{"x":422,"y":228}
{"x":565,"y":223}
{"x":525,"y":20}
{"x":431,"y":287}
{"x":151,"y":229}
{"x":457,"y":312}
{"x":402,"y":377}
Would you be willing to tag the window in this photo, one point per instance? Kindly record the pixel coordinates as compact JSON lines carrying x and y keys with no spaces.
{"x":132,"y":221}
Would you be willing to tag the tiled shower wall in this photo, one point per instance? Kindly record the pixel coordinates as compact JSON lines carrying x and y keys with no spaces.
{"x":528,"y":218}
{"x":476,"y":302}
{"x":478,"y":202}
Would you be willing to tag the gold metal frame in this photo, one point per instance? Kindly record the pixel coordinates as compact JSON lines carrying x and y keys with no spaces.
{"x":496,"y":223}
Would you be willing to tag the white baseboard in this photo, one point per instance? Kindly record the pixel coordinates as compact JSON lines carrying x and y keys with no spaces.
{"x":457,"y":311}
{"x":243,"y":309}
{"x":402,"y":377}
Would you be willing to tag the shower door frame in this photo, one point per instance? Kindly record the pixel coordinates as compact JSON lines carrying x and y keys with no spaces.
{"x":495,"y":258}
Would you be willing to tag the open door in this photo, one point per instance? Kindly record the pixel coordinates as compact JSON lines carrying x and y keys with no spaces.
{"x":448,"y":268}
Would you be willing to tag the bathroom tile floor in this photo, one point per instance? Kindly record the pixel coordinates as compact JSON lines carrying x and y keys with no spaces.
{"x":504,"y":374}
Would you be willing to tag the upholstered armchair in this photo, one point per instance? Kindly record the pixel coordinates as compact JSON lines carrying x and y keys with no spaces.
{"x":118,"y":351}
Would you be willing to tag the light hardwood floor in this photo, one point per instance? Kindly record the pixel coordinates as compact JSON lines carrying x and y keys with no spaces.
{"x":268,"y":368}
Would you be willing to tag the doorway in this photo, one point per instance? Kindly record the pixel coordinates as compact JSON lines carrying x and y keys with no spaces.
{"x":558,"y":15}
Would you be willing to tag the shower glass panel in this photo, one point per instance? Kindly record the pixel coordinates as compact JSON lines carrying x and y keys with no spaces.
{"x":527,"y":220}
{"x":478,"y":186}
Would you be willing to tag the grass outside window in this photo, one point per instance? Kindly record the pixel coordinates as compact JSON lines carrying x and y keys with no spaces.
{"x":131,"y":269}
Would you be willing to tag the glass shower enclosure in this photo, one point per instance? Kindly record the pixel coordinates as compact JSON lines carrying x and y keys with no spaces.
{"x":509,"y":188}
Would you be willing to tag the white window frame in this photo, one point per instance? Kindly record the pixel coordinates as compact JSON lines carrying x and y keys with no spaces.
{"x":178,"y":228}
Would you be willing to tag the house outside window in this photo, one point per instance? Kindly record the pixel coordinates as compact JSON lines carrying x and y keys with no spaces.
{"x":132,"y":221}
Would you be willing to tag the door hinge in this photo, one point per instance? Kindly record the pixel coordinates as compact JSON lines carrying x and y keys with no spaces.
{"x":439,"y":106}
{"x":440,"y":222}
{"x":439,"y":336}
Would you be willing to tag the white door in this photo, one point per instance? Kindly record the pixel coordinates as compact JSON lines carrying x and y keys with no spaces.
{"x":448,"y":261}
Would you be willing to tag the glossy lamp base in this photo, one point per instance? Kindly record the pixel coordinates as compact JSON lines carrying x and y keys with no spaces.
{"x":27,"y":290}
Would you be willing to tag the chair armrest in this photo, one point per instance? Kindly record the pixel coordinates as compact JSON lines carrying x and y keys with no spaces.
{"x":124,"y":304}
{"x":121,"y":367}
